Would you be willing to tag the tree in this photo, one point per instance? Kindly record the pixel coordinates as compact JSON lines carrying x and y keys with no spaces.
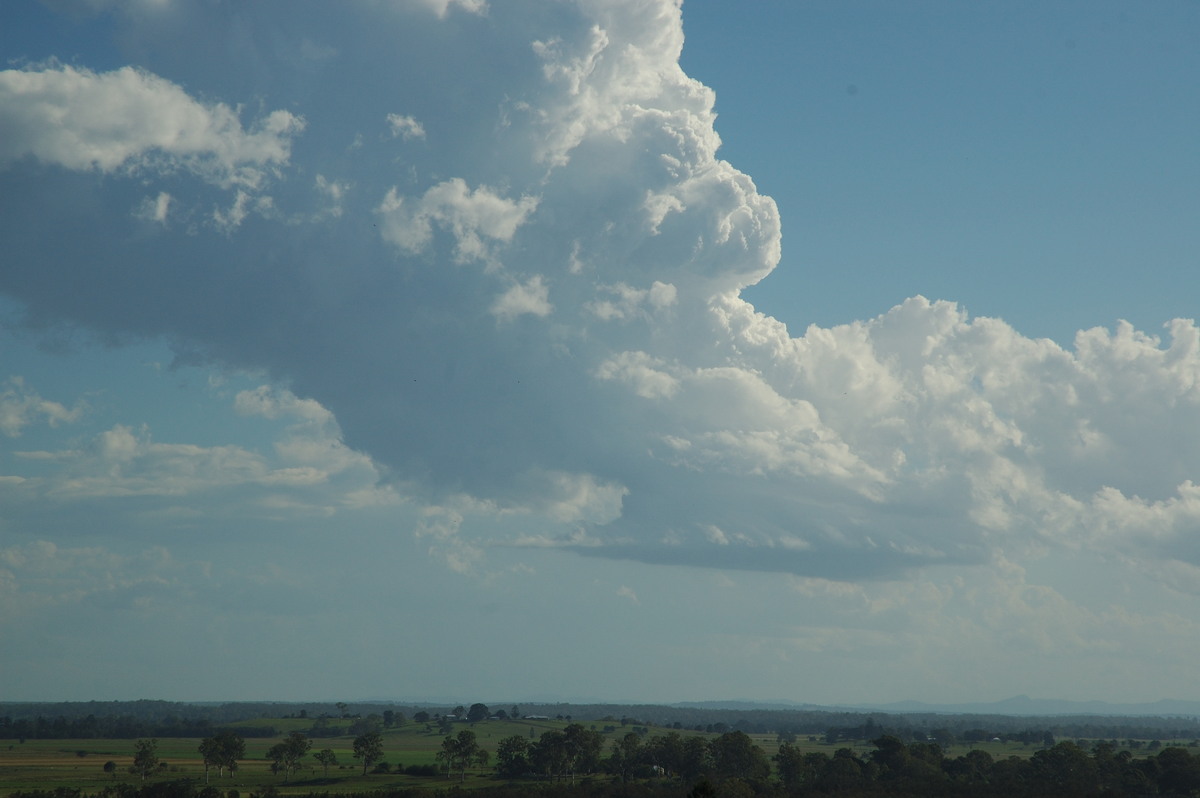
{"x":890,"y":755}
{"x":209,"y":754}
{"x":111,"y":767}
{"x":145,"y":758}
{"x":583,"y":749}
{"x":421,"y":717}
{"x":369,"y":748}
{"x":626,"y":755}
{"x":512,"y":756}
{"x":843,"y":772}
{"x":666,"y":751}
{"x":461,"y":752}
{"x":1179,"y":771}
{"x":735,"y":756}
{"x":371,"y":723}
{"x":1064,"y":769}
{"x":973,"y":768}
{"x":789,"y":763}
{"x":694,"y":760}
{"x":478,"y":712}
{"x":326,"y":757}
{"x":222,"y":750}
{"x":549,"y":754}
{"x":323,"y":728}
{"x":285,"y":756}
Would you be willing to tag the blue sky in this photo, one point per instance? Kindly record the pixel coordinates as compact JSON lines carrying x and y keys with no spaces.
{"x":826,"y":352}
{"x":1031,"y":161}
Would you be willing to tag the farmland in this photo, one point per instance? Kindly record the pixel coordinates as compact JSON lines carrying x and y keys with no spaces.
{"x":138,"y":751}
{"x":47,"y":764}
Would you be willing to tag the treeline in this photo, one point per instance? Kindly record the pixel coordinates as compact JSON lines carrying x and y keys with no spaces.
{"x":217,"y":714}
{"x":104,"y":727}
{"x":817,"y":721}
{"x":121,"y":727}
{"x":149,"y":718}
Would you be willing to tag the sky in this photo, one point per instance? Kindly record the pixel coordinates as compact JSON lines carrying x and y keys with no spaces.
{"x":599,"y":350}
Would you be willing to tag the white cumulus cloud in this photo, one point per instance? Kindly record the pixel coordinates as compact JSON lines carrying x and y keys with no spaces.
{"x":132,"y":119}
{"x":525,"y":298}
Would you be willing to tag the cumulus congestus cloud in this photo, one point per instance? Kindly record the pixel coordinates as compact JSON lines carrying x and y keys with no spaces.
{"x":508,"y":258}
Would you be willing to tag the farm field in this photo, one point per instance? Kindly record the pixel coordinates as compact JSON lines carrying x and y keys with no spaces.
{"x":49,"y":764}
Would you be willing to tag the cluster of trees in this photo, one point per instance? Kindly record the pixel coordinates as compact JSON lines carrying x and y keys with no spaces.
{"x":737,"y":766}
{"x":327,"y":726}
{"x":555,"y":755}
{"x":285,"y":756}
{"x":222,"y":751}
{"x":461,"y":752}
{"x":732,"y":755}
{"x":561,"y":755}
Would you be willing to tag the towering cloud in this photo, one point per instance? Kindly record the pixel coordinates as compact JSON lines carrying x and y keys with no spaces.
{"x":497,"y":242}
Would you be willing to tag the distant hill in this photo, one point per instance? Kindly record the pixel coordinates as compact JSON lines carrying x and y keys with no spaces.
{"x":1017,"y":706}
{"x":1023,"y":705}
{"x":746,"y":705}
